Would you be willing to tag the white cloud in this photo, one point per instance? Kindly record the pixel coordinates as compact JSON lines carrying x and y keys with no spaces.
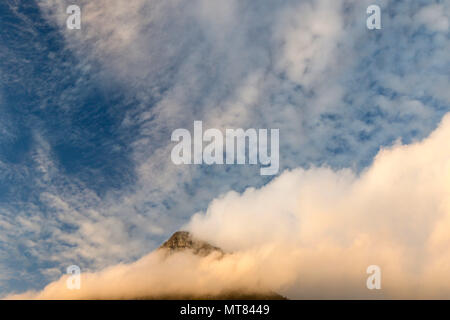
{"x":435,"y":17}
{"x":311,"y":234}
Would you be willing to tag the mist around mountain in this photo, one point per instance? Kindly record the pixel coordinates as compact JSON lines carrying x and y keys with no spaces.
{"x":184,"y":241}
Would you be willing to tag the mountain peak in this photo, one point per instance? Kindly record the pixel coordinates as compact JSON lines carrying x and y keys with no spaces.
{"x":184,"y":240}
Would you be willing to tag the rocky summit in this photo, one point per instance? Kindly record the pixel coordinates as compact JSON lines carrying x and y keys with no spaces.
{"x":183,"y":240}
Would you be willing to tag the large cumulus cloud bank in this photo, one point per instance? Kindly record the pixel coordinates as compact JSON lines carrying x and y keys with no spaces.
{"x":311,"y":234}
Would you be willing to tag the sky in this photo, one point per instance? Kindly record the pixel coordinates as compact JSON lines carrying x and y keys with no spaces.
{"x":86,"y":119}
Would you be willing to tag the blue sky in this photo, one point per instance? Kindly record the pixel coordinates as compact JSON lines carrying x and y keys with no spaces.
{"x":86,"y":115}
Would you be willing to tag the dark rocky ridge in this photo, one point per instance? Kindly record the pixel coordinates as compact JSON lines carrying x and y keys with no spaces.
{"x":183,"y":240}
